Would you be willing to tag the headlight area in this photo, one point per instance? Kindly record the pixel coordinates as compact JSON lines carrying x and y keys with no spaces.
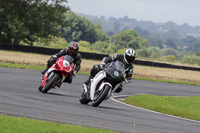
{"x":66,"y":63}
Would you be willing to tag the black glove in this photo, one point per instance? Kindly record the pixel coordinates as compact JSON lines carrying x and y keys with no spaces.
{"x":53,"y":57}
{"x":126,"y":81}
{"x":51,"y":61}
{"x":74,"y":73}
{"x":102,"y":65}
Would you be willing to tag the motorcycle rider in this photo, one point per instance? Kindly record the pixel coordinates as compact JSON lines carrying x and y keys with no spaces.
{"x":73,"y":51}
{"x":128,"y":58}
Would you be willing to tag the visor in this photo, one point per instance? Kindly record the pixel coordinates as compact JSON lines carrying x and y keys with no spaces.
{"x":73,"y":51}
{"x":130,"y":59}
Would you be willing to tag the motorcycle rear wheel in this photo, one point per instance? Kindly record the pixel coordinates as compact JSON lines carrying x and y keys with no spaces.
{"x":51,"y":82}
{"x":102,"y":96}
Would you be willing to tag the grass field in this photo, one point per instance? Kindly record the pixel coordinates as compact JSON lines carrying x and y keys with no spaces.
{"x":186,"y":107}
{"x":10,"y":124}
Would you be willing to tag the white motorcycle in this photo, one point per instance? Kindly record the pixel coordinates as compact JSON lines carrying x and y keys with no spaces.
{"x":104,"y":84}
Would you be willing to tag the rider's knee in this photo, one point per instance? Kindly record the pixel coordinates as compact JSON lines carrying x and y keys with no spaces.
{"x":94,"y":71}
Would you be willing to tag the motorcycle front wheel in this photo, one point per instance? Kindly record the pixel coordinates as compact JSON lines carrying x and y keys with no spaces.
{"x":40,"y":88}
{"x":50,"y":83}
{"x":83,"y":99}
{"x":101,"y":96}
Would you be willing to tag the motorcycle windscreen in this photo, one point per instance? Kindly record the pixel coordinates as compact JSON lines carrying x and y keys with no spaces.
{"x":64,"y":65}
{"x":69,"y":59}
{"x":68,"y":63}
{"x":116,"y":69}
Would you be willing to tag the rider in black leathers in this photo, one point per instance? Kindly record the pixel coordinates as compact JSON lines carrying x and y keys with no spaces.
{"x":73,"y":52}
{"x":128,"y":58}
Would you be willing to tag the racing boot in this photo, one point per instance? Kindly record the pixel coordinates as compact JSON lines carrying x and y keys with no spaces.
{"x":85,"y":87}
{"x":119,"y":89}
{"x":87,"y":81}
{"x":87,"y":91}
{"x":44,"y":71}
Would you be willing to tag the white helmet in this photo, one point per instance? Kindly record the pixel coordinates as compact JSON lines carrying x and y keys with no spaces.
{"x":129,"y":55}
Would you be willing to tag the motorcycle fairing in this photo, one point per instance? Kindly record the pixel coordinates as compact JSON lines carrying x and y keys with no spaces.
{"x":46,"y":75}
{"x":59,"y":66}
{"x":99,"y":76}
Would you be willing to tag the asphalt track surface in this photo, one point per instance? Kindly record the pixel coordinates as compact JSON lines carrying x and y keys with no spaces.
{"x":19,"y":96}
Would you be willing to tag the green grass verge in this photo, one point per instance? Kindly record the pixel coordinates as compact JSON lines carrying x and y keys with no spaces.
{"x":24,"y":125}
{"x":21,"y":66}
{"x":186,"y":107}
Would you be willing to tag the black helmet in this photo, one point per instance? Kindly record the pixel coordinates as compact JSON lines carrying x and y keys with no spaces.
{"x":129,"y":55}
{"x":73,"y":48}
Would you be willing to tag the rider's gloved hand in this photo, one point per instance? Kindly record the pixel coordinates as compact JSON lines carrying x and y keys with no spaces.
{"x":102,"y":65}
{"x":53,"y":56}
{"x":74,"y":73}
{"x":126,"y":81}
{"x":51,"y":60}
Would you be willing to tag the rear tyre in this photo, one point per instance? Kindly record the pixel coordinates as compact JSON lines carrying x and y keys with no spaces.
{"x":101,"y":96}
{"x":51,"y":82}
{"x":83,"y":98}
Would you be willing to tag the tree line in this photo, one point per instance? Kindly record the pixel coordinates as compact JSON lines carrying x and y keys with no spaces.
{"x":166,"y":41}
{"x":31,"y":21}
{"x":43,"y":22}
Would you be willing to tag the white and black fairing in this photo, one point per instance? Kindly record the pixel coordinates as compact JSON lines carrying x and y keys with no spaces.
{"x":115,"y":72}
{"x":112,"y":75}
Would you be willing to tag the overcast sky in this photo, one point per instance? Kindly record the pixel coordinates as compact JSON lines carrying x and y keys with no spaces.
{"x":178,"y":11}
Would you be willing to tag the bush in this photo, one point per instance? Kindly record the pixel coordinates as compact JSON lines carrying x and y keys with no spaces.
{"x":198,"y":54}
{"x":191,"y":59}
{"x":154,"y":49}
{"x":143,"y":52}
{"x":168,"y":58}
{"x":121,"y":51}
{"x":84,"y":46}
{"x":169,"y":51}
{"x":57,"y":43}
{"x":154,"y":55}
{"x":100,"y":46}
{"x":109,"y":51}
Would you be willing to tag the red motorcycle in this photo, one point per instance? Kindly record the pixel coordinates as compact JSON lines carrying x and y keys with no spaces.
{"x":57,"y":73}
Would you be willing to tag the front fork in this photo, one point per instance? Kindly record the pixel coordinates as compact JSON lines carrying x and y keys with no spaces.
{"x":49,"y":77}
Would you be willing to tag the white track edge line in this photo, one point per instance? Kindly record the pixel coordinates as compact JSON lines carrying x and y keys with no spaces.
{"x":112,"y":98}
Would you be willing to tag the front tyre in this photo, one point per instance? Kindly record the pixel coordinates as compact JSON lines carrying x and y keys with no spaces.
{"x":51,"y":82}
{"x":101,"y":96}
{"x":40,"y":88}
{"x":83,"y":98}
